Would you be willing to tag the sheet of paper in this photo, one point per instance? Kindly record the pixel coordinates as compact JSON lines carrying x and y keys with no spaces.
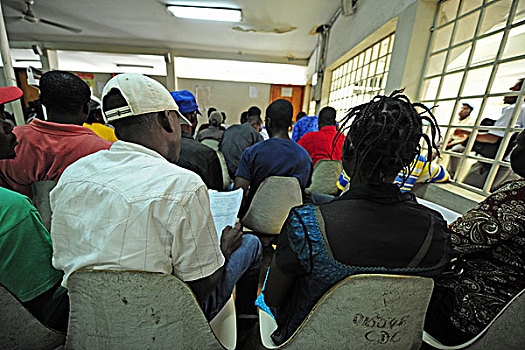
{"x":224,"y":208}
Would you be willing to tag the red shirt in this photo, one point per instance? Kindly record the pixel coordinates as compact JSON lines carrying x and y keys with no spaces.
{"x":44,"y":150}
{"x":319,"y":144}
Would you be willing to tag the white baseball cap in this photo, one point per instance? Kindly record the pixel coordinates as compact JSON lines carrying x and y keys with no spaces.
{"x":143,"y":95}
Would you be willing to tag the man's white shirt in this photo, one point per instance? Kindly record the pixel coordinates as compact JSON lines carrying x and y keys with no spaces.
{"x":128,"y":208}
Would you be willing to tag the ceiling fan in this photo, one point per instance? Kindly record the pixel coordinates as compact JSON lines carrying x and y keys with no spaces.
{"x":29,"y":16}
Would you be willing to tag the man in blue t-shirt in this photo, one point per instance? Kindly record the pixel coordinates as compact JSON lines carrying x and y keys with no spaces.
{"x":278,"y":156}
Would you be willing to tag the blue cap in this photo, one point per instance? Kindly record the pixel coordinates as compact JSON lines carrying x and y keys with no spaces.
{"x":186,"y":101}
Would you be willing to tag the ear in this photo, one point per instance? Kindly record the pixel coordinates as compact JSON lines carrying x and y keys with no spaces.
{"x":85,"y":108}
{"x":268,"y":123}
{"x":165,"y":121}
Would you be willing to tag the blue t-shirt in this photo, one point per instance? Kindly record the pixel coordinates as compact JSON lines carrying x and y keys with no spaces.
{"x":274,"y":157}
{"x":303,"y":126}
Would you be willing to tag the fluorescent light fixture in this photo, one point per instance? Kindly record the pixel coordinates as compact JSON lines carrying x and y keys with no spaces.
{"x":222,"y":14}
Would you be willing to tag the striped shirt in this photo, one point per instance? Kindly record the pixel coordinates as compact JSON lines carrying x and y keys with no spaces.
{"x":422,"y":172}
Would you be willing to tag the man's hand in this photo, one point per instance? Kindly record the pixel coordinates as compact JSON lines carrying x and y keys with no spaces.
{"x":231,"y":240}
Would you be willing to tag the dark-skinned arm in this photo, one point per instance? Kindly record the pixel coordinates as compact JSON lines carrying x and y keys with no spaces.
{"x":231,"y":239}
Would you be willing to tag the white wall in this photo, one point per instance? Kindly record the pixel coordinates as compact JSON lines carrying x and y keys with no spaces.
{"x":374,"y":19}
{"x":230,"y":97}
{"x":347,"y":32}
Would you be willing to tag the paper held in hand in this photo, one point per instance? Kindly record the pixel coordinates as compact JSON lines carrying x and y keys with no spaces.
{"x":224,"y":208}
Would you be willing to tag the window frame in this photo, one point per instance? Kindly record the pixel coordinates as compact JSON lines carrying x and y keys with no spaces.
{"x":343,"y":76}
{"x":495,"y":64}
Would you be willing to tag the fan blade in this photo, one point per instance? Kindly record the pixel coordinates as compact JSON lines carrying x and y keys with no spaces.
{"x":63,"y":26}
{"x":13,"y":18}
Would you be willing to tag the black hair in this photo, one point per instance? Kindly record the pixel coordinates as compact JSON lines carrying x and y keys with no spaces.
{"x":223,"y":116}
{"x":326,"y":117}
{"x":210,"y":110}
{"x":244,"y":117}
{"x":280,"y":112}
{"x":254,"y":110}
{"x":254,"y":119}
{"x":300,"y":115}
{"x":63,"y":92}
{"x":114,"y":99}
{"x":386,"y":134}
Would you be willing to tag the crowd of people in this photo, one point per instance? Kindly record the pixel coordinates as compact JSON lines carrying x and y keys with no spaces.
{"x":132,"y":175}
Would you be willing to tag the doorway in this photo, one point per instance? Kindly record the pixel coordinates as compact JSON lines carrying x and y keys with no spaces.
{"x":292,"y":93}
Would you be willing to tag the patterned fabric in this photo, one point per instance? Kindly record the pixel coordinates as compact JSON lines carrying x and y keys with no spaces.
{"x":422,"y":172}
{"x":489,"y":244}
{"x":304,"y":126}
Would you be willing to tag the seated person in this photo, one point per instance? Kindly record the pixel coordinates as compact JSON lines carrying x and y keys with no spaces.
{"x":25,"y":245}
{"x":140,"y":211}
{"x":95,"y":121}
{"x":48,"y":147}
{"x":326,"y":143}
{"x":237,"y":138}
{"x":213,"y":131}
{"x":303,"y":126}
{"x":489,"y":271}
{"x":487,"y":144}
{"x":422,"y":171}
{"x":194,"y":155}
{"x":372,"y":228}
{"x":278,"y":156}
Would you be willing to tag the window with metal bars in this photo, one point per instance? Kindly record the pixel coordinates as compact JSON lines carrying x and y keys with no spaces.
{"x":362,"y":77}
{"x":475,"y":58}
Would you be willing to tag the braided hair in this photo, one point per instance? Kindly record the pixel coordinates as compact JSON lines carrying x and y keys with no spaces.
{"x":386,"y":134}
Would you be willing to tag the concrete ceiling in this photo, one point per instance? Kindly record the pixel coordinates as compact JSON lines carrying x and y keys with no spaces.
{"x":147,"y":24}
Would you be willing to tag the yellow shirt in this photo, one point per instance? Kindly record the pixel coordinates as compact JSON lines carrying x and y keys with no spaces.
{"x":103,"y":131}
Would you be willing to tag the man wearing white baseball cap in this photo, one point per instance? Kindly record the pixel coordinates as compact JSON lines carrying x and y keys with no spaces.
{"x":138,"y":211}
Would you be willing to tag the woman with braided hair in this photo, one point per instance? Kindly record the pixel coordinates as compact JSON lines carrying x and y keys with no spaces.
{"x":372,"y":228}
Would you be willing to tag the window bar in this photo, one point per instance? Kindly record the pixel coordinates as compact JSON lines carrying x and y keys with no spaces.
{"x":447,"y":57}
{"x":463,"y":80}
{"x":487,"y":3}
{"x":472,"y":138}
{"x":505,"y":141}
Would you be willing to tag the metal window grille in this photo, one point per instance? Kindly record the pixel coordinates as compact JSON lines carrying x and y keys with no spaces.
{"x":362,"y":77}
{"x":475,"y":54}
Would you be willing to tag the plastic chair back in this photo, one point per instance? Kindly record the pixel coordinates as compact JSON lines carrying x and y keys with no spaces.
{"x":136,"y":310}
{"x":271,"y":204}
{"x":225,"y":175}
{"x":19,"y":329}
{"x":504,"y":332}
{"x":324,"y":177}
{"x":362,"y":312}
{"x":41,"y":191}
{"x":214,"y":144}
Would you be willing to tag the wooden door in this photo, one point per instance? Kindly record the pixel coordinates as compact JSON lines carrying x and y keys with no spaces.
{"x":292,"y":93}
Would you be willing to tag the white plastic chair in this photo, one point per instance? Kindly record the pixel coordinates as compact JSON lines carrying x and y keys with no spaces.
{"x":225,"y":175}
{"x":324,"y":177}
{"x":20,"y":330}
{"x":213,"y":144}
{"x":503,"y":332}
{"x":41,"y":191}
{"x":142,"y":310}
{"x":271,"y":204}
{"x":361,"y":312}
